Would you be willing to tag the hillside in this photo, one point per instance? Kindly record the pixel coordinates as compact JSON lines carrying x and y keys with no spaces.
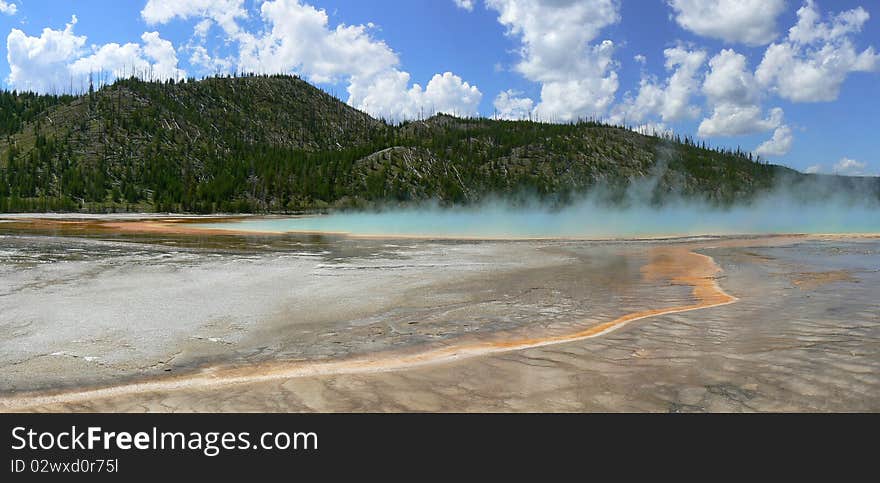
{"x":276,"y":143}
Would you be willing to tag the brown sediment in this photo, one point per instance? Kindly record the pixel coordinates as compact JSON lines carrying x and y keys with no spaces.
{"x":159,"y":226}
{"x":814,"y":280}
{"x":677,"y":264}
{"x":172,"y":227}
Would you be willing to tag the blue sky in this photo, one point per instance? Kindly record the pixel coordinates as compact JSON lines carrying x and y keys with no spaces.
{"x":734,"y":72}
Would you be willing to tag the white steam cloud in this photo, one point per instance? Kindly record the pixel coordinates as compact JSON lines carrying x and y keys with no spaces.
{"x":818,"y":204}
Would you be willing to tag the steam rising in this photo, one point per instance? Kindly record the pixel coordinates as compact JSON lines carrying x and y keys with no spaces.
{"x":807,"y":205}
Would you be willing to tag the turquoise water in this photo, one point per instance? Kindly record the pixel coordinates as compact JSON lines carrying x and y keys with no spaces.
{"x":586,"y":220}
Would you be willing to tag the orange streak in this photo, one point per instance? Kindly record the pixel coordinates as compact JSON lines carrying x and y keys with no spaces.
{"x":677,"y":264}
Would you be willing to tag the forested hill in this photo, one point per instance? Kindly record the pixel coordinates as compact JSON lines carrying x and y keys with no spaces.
{"x":276,"y":143}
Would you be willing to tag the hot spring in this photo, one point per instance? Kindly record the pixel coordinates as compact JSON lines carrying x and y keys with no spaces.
{"x":586,"y":220}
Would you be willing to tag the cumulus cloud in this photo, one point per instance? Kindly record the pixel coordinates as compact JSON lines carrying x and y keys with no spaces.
{"x":751,"y":22}
{"x":58,"y":60}
{"x":118,"y":59}
{"x":779,"y":145}
{"x":465,"y":4}
{"x":215,"y":64}
{"x":557,"y":50}
{"x":735,"y":97}
{"x":163,"y":55}
{"x":654,"y":129}
{"x":449,"y":93}
{"x":40,"y":63}
{"x":8,"y":8}
{"x":811,"y":29}
{"x":850,"y":167}
{"x":809,"y":65}
{"x":202,"y":28}
{"x":510,"y":105}
{"x":732,"y":120}
{"x":669,"y":100}
{"x":298,"y":37}
{"x":844,"y":167}
{"x":684,"y":64}
{"x":730,"y":81}
{"x":388,"y":96}
{"x":817,"y":56}
{"x":224,"y":12}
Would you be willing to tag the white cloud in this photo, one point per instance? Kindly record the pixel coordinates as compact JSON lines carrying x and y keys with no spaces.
{"x":154,"y":59}
{"x":810,"y":29}
{"x":509,"y":105}
{"x":641,"y":59}
{"x":730,"y":81}
{"x":163,"y":55}
{"x":450,"y":94}
{"x":224,"y":12}
{"x":214,"y":64}
{"x":844,"y":167}
{"x":779,"y":145}
{"x":201,"y":29}
{"x":465,"y":4}
{"x":735,"y":97}
{"x":388,"y":96}
{"x":671,"y":100}
{"x":685,"y":64}
{"x":40,"y":63}
{"x":751,"y":22}
{"x":8,"y":8}
{"x":733,"y":120}
{"x":850,"y":167}
{"x":58,"y":60}
{"x":120,"y":60}
{"x":813,"y":62}
{"x":809,"y":65}
{"x":654,"y":129}
{"x":557,"y":50}
{"x":298,"y":37}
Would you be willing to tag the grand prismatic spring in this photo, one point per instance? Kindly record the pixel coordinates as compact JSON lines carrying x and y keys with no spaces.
{"x":580,"y":309}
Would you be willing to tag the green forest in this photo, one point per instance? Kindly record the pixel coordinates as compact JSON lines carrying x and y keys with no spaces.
{"x":257,"y":144}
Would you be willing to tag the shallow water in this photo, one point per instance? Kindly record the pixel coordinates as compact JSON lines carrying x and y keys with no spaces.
{"x":784,"y":346}
{"x":86,"y":310}
{"x":82,"y":306}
